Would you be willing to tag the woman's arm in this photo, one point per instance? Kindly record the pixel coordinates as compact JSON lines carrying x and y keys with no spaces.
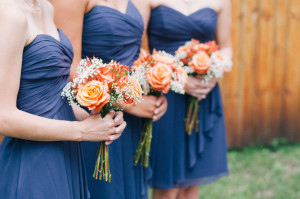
{"x":80,"y":114}
{"x":19,"y":124}
{"x":223,"y":34}
{"x":69,"y":16}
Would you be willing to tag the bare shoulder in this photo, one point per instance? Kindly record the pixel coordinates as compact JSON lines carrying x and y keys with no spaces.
{"x":224,"y":4}
{"x":48,"y":8}
{"x":12,"y":15}
{"x":48,"y":5}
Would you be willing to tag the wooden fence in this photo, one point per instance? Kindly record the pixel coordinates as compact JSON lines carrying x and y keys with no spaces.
{"x":262,"y":94}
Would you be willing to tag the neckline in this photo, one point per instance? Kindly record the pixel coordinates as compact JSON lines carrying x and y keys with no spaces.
{"x":201,"y":9}
{"x":107,"y":7}
{"x":59,"y":40}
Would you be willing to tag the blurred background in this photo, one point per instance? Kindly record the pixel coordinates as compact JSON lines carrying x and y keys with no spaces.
{"x":262,"y":94}
{"x":261,"y":99}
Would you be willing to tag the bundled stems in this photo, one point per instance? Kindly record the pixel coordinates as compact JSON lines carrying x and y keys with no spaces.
{"x":102,"y":170}
{"x":143,"y":149}
{"x":191,"y":120}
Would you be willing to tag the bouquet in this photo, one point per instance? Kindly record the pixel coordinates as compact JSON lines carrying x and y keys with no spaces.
{"x":205,"y":60}
{"x":101,"y":88}
{"x":157,"y":73}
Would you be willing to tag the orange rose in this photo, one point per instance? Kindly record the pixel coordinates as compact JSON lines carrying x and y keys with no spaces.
{"x":93,"y":95}
{"x":181,"y":72}
{"x":159,"y":57}
{"x":200,"y":63}
{"x":200,"y":47}
{"x":133,"y":90}
{"x":106,"y":74}
{"x":185,"y":49}
{"x":159,"y":77}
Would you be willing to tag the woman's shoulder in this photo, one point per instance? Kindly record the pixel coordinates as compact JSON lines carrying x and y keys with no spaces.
{"x":12,"y":13}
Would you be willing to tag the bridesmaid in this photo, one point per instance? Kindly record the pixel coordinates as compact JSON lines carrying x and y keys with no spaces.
{"x":40,"y":157}
{"x":112,"y":29}
{"x":180,"y":162}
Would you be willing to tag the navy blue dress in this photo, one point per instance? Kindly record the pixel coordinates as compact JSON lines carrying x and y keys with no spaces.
{"x":35,"y":170}
{"x":179,"y":160}
{"x":109,"y":34}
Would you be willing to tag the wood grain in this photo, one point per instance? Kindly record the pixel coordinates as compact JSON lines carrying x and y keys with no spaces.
{"x":262,"y":94}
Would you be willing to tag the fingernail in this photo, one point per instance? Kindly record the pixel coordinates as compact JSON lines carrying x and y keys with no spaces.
{"x":154,"y":118}
{"x":155,"y":112}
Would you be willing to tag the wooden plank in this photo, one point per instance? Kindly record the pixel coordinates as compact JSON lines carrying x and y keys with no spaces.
{"x":280,"y":42}
{"x":291,"y":99}
{"x":265,"y":39}
{"x":249,"y":65}
{"x":230,"y":82}
{"x":296,"y":22}
{"x":264,"y":87}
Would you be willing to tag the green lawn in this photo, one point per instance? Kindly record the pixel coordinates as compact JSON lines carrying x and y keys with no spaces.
{"x":259,"y":172}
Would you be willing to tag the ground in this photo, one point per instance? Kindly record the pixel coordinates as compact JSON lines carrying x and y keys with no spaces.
{"x":259,"y":173}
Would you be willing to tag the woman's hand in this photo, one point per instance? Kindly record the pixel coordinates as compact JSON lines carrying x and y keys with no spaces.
{"x":119,"y":120}
{"x":196,"y":87}
{"x":161,"y":108}
{"x":106,"y":129}
{"x":150,"y":107}
{"x":143,"y":109}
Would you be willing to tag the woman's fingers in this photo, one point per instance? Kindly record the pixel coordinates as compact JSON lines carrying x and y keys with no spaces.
{"x":117,"y":133}
{"x":110,"y":114}
{"x":120,"y":128}
{"x":161,"y":110}
{"x":108,"y":142}
{"x":159,"y":101}
{"x":201,"y":97}
{"x":118,"y":116}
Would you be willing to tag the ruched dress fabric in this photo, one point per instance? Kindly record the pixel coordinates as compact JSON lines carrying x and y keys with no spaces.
{"x":179,"y":160}
{"x":35,"y":170}
{"x":109,"y":34}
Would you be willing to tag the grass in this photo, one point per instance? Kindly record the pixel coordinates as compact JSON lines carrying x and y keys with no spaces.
{"x":259,"y":173}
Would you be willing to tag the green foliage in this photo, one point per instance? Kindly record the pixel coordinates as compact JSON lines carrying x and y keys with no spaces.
{"x":259,"y":172}
{"x":278,"y":142}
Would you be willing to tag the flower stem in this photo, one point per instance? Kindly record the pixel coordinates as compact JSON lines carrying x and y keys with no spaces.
{"x":143,"y":149}
{"x":103,"y":163}
{"x":191,"y":121}
{"x":189,"y":115}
